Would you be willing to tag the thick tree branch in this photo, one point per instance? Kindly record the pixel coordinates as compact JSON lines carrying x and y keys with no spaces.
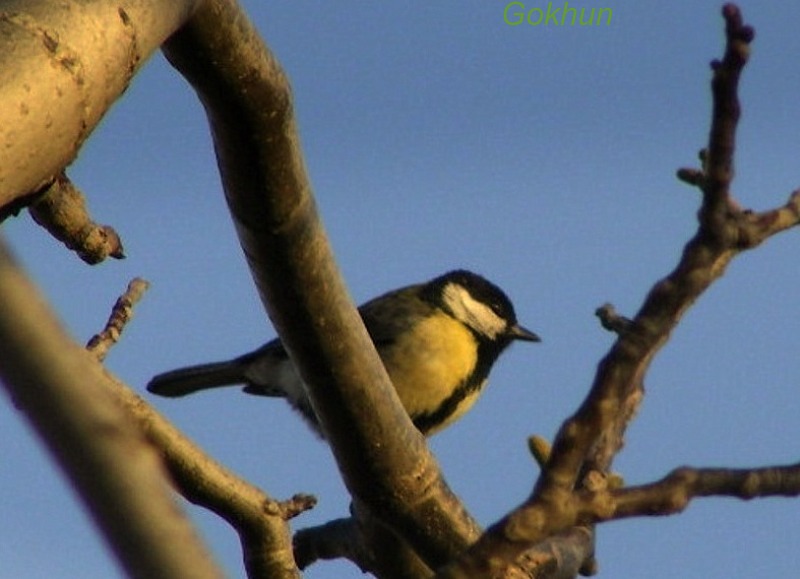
{"x":44,"y":57}
{"x":589,"y":440}
{"x":62,"y":391}
{"x":63,"y":64}
{"x":384,"y":460}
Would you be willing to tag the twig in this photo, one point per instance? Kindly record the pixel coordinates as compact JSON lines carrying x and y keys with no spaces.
{"x":61,"y":209}
{"x":673,"y":493}
{"x":539,"y":448}
{"x":257,"y":518}
{"x":121,"y":313}
{"x":611,"y":320}
{"x":726,"y":112}
{"x":296,"y":506}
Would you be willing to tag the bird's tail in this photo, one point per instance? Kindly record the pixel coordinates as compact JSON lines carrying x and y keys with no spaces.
{"x":191,"y":379}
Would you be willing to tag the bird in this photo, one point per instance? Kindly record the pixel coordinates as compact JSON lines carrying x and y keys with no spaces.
{"x":438,"y":341}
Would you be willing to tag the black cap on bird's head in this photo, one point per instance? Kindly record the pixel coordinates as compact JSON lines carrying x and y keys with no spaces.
{"x":480,"y":305}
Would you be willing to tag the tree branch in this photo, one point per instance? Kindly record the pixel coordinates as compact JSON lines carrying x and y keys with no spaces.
{"x":63,"y":393}
{"x":337,"y":539}
{"x":61,"y":209}
{"x":60,"y":77}
{"x":365,"y":541}
{"x":383,"y":459}
{"x":588,"y":441}
{"x":726,"y":112}
{"x":259,"y":520}
{"x":673,"y":493}
{"x":611,"y":320}
{"x":121,"y":313}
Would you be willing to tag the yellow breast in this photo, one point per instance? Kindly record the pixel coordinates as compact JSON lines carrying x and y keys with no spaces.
{"x":428,"y":362}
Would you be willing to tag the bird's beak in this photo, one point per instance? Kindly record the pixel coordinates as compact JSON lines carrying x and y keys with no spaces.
{"x":517,"y":332}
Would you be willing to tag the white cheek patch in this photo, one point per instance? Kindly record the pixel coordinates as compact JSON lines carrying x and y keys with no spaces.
{"x":473,"y":313}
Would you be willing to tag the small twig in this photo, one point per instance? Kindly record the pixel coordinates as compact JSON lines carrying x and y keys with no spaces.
{"x":297,"y":505}
{"x":539,"y":447}
{"x":121,"y":314}
{"x":611,"y":320}
{"x":258,"y":518}
{"x":61,"y":209}
{"x":755,"y":228}
{"x":692,"y":176}
{"x":719,"y":155}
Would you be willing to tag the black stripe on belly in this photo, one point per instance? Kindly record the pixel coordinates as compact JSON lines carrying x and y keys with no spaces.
{"x":432,"y":420}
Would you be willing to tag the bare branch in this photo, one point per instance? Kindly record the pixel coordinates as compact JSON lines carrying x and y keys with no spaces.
{"x":363,"y":540}
{"x":121,"y":313}
{"x":673,"y":493}
{"x":60,"y":77}
{"x":62,"y":391}
{"x":383,"y":459}
{"x":296,"y":506}
{"x":337,"y":539}
{"x":692,"y":176}
{"x":258,"y":519}
{"x":61,"y":209}
{"x":725,"y":117}
{"x":588,"y":441}
{"x":595,"y":432}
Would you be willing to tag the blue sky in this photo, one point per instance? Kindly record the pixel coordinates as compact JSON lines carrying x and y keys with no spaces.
{"x":437,"y":137}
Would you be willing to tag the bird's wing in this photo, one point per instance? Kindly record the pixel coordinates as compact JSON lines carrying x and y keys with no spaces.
{"x":393,"y":313}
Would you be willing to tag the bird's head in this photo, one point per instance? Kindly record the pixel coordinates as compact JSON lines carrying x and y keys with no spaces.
{"x":480,"y":305}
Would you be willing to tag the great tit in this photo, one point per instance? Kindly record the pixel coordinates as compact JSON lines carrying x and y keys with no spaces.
{"x":438,"y":341}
